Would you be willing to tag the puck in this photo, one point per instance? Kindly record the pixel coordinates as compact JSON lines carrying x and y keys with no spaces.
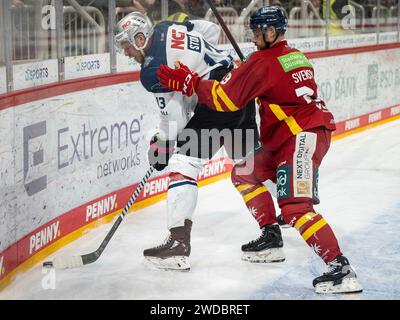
{"x":48,"y":264}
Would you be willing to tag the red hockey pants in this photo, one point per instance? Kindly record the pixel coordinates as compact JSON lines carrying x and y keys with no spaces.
{"x":294,"y":169}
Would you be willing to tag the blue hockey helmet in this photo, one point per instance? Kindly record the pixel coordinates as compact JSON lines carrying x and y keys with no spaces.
{"x":269,"y":16}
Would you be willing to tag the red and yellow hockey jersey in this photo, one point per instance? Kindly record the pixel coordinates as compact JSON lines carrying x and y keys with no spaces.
{"x":282,"y":80}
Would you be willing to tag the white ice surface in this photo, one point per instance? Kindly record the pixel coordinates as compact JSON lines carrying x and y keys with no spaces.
{"x":360,"y":198}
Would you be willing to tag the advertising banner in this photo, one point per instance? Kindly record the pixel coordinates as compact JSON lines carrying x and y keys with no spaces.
{"x":87,"y":66}
{"x":3,"y":80}
{"x":27,"y":75}
{"x":388,"y":37}
{"x":354,"y":40}
{"x":66,"y":151}
{"x":356,"y":84}
{"x":308,"y":44}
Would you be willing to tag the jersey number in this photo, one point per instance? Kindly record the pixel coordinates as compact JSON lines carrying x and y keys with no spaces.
{"x":161,"y":102}
{"x":307,"y":94}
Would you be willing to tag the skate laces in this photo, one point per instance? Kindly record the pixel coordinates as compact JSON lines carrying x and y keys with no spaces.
{"x":166,"y":240}
{"x":264,"y":232}
{"x":333,"y":266}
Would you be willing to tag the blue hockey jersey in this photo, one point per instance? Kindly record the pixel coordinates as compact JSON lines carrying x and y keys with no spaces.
{"x":182,"y":42}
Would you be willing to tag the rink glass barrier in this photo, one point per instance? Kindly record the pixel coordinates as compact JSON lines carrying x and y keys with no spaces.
{"x":47,"y":41}
{"x":75,"y":121}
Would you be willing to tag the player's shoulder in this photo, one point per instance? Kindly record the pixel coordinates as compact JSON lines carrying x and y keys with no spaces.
{"x":148,"y":76}
{"x":162,"y":26}
{"x":256,"y":56}
{"x":149,"y":80}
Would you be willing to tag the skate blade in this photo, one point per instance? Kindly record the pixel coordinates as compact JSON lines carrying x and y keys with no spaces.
{"x":348,"y":285}
{"x":180,"y":263}
{"x":265,"y":256}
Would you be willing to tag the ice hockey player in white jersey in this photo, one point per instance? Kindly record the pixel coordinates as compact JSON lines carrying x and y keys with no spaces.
{"x":181,"y":116}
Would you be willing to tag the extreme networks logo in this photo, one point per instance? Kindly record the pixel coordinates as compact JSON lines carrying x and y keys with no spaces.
{"x":73,"y":148}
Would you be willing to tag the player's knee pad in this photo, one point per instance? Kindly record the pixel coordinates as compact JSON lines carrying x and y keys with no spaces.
{"x":181,"y":199}
{"x":187,"y":166}
{"x":291,"y":212}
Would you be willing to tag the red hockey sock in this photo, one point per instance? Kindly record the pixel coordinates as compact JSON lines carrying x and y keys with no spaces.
{"x":259,"y":202}
{"x":315,"y":231}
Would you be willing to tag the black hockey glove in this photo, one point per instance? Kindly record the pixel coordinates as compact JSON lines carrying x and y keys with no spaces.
{"x":160,"y":152}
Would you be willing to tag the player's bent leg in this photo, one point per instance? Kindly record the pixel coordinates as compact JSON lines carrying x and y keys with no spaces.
{"x":182,"y":189}
{"x":268,"y":246}
{"x":247,"y":179}
{"x":317,"y":233}
{"x":181,"y":203}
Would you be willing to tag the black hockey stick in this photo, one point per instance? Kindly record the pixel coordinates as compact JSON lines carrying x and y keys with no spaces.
{"x":78,"y":261}
{"x":226,"y":30}
{"x":247,"y":111}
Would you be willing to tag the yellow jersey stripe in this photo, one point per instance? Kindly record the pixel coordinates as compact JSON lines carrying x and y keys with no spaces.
{"x":304,"y":218}
{"x":242,"y":187}
{"x":254,"y":193}
{"x":215,"y":98}
{"x":224,"y":97}
{"x":290,"y":121}
{"x":313,"y":229}
{"x":293,"y":125}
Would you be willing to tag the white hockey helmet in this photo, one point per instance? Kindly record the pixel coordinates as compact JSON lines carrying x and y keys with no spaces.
{"x":131,"y":25}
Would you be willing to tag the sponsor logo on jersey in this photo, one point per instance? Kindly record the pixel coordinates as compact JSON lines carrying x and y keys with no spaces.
{"x":283,"y":182}
{"x":303,"y":164}
{"x":194,"y":43}
{"x":178,"y":40}
{"x":101,"y":207}
{"x":44,"y":237}
{"x":293,"y":61}
{"x":303,"y":188}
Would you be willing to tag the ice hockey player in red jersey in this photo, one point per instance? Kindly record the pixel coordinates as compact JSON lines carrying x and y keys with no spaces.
{"x":295,"y":134}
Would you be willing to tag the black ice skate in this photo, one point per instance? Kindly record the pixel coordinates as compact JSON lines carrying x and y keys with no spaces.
{"x":174,"y":252}
{"x":282,"y":222}
{"x":340,"y":278}
{"x":266,"y":248}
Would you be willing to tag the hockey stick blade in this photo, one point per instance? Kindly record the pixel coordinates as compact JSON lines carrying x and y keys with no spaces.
{"x":64,"y":262}
{"x":69,"y":262}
